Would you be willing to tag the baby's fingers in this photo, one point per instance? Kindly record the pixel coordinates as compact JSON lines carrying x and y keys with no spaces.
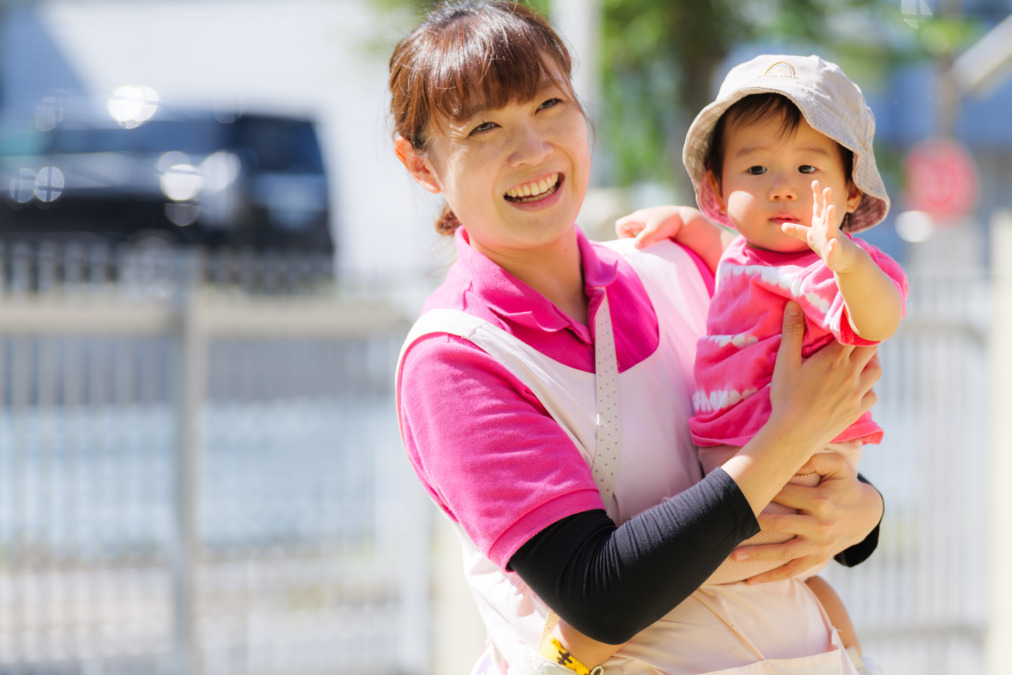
{"x":650,"y":234}
{"x":796,"y":230}
{"x":628,"y":226}
{"x":819,"y":196}
{"x":643,"y":232}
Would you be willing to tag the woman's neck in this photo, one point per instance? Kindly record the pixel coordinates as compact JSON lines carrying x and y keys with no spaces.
{"x":555,"y":271}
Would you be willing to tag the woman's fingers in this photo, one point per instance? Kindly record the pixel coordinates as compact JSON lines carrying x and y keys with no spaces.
{"x":793,"y":335}
{"x":795,"y":568}
{"x":822,"y":394}
{"x":829,"y":517}
{"x":795,"y":555}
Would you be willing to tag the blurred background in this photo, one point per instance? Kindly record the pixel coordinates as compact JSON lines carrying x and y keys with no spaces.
{"x":209,"y":257}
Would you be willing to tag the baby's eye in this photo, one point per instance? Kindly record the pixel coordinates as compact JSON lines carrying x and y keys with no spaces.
{"x":484,"y":126}
{"x":806,"y":168}
{"x":757,"y":170}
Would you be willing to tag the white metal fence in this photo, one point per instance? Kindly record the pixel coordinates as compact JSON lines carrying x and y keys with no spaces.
{"x":206,"y":478}
{"x":200,"y":471}
{"x":921,"y":602}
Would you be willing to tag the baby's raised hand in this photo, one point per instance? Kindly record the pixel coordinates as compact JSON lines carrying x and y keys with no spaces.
{"x":824,"y":236}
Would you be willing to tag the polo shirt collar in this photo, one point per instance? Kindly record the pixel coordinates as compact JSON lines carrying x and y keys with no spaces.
{"x":516,"y":302}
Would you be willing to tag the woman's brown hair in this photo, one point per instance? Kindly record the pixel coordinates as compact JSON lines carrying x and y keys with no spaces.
{"x":466,"y":55}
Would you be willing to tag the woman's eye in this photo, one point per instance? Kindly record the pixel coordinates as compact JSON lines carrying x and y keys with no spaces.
{"x":757,"y":170}
{"x":806,"y":168}
{"x":484,"y":126}
{"x":550,"y":103}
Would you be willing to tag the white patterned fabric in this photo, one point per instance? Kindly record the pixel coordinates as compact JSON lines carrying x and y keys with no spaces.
{"x":609,"y":419}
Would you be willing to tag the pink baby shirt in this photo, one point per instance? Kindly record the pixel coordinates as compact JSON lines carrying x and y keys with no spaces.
{"x":734,"y":361}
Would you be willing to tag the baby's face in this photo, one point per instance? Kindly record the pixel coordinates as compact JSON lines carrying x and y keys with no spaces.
{"x":767,"y":180}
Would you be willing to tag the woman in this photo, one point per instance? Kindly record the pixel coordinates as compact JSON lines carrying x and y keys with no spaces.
{"x":543,"y":394}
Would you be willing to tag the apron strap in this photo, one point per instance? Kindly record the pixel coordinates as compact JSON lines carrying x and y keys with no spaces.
{"x":608,"y":445}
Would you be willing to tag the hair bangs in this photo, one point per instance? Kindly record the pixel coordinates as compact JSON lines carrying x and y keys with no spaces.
{"x":469,"y":56}
{"x":749,"y":110}
{"x":759,"y":107}
{"x":493,"y":64}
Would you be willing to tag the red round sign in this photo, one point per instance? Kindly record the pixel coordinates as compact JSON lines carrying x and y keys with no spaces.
{"x":941,"y":179}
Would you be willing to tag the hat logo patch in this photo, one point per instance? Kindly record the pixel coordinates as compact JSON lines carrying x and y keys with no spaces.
{"x":781,"y":69}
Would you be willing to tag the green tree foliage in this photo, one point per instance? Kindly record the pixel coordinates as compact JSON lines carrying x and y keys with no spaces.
{"x":660,"y":59}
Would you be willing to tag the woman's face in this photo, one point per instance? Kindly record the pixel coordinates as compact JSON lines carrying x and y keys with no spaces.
{"x":514,"y":176}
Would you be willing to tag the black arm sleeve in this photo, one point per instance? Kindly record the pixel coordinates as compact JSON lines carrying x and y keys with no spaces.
{"x":611,"y":582}
{"x":858,"y":553}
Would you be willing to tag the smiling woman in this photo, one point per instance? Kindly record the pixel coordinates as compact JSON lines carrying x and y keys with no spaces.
{"x":434,"y":70}
{"x":516,"y":173}
{"x":543,"y":395}
{"x":513,"y":159}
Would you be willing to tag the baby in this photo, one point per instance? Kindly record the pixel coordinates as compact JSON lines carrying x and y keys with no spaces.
{"x":784,"y":157}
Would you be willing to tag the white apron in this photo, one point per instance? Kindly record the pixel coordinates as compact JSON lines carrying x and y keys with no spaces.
{"x":735,"y":629}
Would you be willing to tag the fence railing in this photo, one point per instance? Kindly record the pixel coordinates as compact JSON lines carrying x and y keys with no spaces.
{"x":921,"y":603}
{"x":202,"y":474}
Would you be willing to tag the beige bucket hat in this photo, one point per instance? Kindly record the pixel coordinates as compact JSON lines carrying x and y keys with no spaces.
{"x":830,"y":102}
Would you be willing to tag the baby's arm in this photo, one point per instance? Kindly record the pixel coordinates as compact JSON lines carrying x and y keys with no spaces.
{"x":684,"y":224}
{"x":587,"y":651}
{"x":874,"y":305}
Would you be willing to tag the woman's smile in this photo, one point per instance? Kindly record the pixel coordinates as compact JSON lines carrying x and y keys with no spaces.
{"x":534,"y":190}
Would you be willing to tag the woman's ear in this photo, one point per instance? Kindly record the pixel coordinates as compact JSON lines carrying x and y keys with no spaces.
{"x":416,"y":165}
{"x":853,"y":198}
{"x":718,"y":192}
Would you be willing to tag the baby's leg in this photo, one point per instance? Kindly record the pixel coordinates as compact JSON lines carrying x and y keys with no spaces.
{"x":836,"y":610}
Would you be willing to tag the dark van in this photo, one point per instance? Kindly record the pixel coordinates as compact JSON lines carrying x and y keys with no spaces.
{"x":186,"y":177}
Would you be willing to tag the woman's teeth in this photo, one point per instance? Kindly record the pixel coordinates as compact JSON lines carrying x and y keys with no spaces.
{"x":534,"y":191}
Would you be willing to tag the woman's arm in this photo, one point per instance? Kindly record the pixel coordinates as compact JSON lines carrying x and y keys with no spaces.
{"x":610,"y":583}
{"x":813,"y":400}
{"x":837,"y":518}
{"x":874,"y":511}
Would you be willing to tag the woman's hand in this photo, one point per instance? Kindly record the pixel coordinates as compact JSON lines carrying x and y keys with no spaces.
{"x":814,"y":399}
{"x":832,"y":516}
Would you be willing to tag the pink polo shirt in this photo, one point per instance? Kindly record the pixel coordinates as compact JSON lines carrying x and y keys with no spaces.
{"x":484,"y":447}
